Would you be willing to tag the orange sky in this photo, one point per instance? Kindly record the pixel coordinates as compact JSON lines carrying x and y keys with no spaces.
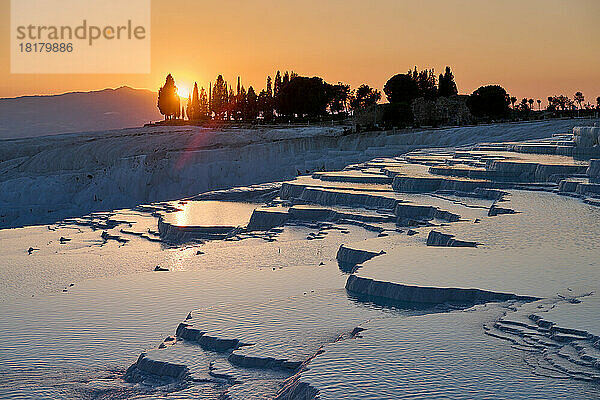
{"x":533,"y":48}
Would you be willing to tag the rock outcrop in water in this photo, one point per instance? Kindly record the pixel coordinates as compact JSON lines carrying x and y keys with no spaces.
{"x":410,"y":184}
{"x":413,"y":211}
{"x":441,"y":239}
{"x":373,"y":290}
{"x":263,"y":192}
{"x":304,"y":213}
{"x":294,"y":390}
{"x":495,"y":210}
{"x":378,"y":179}
{"x":335,"y":197}
{"x":266,"y":218}
{"x":348,"y":258}
{"x":181,"y":234}
{"x":188,"y":332}
{"x":159,"y":368}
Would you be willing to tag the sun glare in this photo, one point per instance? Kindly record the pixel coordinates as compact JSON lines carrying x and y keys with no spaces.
{"x":182,"y":91}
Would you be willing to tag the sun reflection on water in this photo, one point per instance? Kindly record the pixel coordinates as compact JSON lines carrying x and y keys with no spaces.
{"x":212,"y":213}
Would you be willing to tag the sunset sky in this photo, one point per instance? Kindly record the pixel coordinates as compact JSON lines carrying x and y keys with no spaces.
{"x":533,"y":48}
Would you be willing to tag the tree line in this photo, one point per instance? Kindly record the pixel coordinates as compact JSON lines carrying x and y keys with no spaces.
{"x":290,"y":96}
{"x":494,"y":102}
{"x":401,"y":90}
{"x":286,"y":97}
{"x":489,"y":102}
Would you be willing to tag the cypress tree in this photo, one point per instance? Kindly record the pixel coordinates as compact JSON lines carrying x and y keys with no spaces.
{"x":277,"y":87}
{"x":251,"y":104}
{"x":168,"y":100}
{"x":193,"y":110}
{"x":269,"y":89}
{"x":447,"y":86}
{"x":204,"y":108}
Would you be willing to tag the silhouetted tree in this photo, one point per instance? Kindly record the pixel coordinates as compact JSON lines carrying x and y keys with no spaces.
{"x":241,"y":103}
{"x":341,"y":97}
{"x":269,"y":105}
{"x":446,"y":85}
{"x":426,"y":83}
{"x":558,"y":103}
{"x":563,"y":102}
{"x":579,"y":98}
{"x":277,"y":84}
{"x":286,"y":79}
{"x":280,"y":83}
{"x":168,"y":100}
{"x":539,"y":103}
{"x":235,"y":104}
{"x":193,"y":108}
{"x":251,"y":105}
{"x":276,"y":90}
{"x":263,"y":105}
{"x":598,"y":102}
{"x":231,"y":104}
{"x":530,"y":101}
{"x":266,"y":102}
{"x":513,"y":100}
{"x":225,"y":105}
{"x":269,"y":87}
{"x":489,"y":101}
{"x":365,"y":96}
{"x":203,"y":109}
{"x":401,"y":88}
{"x":219,"y":97}
{"x":305,"y":96}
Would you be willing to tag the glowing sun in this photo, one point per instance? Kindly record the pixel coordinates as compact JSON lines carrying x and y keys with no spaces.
{"x":182,"y":91}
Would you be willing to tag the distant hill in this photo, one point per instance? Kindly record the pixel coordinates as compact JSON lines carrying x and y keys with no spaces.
{"x":29,"y":116}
